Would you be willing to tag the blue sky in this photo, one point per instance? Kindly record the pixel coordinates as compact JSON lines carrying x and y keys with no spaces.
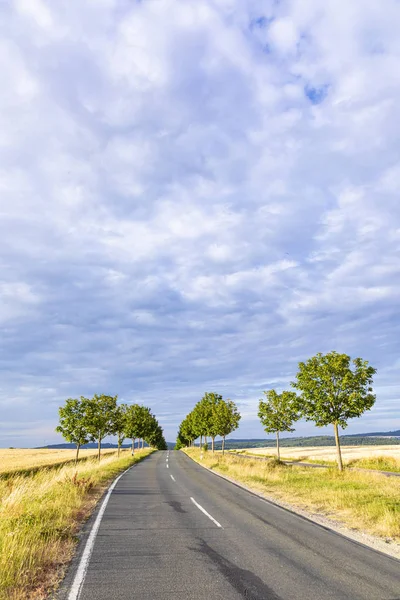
{"x":195,"y":196}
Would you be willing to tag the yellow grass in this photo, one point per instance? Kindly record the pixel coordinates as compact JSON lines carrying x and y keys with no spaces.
{"x":40,"y":515}
{"x":363,"y":501}
{"x":381,"y":458}
{"x":25,"y":458}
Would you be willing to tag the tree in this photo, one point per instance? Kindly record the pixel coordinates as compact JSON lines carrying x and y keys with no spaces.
{"x":119,"y":424}
{"x":207,"y":415}
{"x":188,"y":428}
{"x":278,"y":413}
{"x":227,"y":419}
{"x":98,"y":419}
{"x":72,"y":423}
{"x":332,"y":392}
{"x":132,"y":420}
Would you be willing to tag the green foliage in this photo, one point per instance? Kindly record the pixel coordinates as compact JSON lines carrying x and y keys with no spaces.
{"x":98,"y":419}
{"x":211,"y":417}
{"x":279,"y":411}
{"x":119,"y":423}
{"x":72,"y":425}
{"x":332,"y":392}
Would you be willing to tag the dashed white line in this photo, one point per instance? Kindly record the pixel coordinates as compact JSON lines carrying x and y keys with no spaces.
{"x":167,"y":466}
{"x":206,"y":513}
{"x":173,"y":478}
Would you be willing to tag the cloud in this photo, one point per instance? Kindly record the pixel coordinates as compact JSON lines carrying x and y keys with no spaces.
{"x":195,"y":197}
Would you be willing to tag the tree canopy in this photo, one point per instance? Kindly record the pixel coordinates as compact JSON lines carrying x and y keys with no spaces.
{"x":333,"y":389}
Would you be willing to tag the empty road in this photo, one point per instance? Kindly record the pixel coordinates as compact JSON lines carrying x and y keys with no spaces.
{"x":173,"y":530}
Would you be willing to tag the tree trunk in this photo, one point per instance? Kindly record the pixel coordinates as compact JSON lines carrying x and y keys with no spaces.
{"x":223,"y":444}
{"x":201,"y":440}
{"x":278,"y":453}
{"x":142,"y":443}
{"x":212,"y":444}
{"x":99,"y":449}
{"x":77,"y":453}
{"x":339,"y":452}
{"x":119,"y":446}
{"x":133,"y":447}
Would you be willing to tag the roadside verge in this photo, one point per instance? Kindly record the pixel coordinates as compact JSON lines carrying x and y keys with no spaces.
{"x":354,"y":505}
{"x":41,"y":517}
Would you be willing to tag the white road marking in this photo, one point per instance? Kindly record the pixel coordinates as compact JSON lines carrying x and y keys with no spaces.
{"x":167,"y":466}
{"x":206,"y":513}
{"x":77,"y":584}
{"x":173,"y":478}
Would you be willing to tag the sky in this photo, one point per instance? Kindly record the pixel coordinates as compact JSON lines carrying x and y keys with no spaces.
{"x":195,"y":196}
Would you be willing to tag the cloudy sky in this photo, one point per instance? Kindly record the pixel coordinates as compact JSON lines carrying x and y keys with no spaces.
{"x":194,"y":197}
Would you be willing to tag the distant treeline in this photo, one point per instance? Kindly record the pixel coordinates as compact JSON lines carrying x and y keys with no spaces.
{"x":320,"y":440}
{"x":330,"y":389}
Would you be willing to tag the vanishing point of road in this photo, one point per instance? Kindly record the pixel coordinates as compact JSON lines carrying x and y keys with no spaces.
{"x":174,"y":531}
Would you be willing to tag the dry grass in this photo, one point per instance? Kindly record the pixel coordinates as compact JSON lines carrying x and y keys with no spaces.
{"x":40,"y":515}
{"x":380,"y":458}
{"x":363,"y":501}
{"x":21,"y":459}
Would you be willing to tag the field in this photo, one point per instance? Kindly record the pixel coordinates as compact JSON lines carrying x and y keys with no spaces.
{"x":381,"y":458}
{"x":363,"y":501}
{"x":41,"y":512}
{"x":21,"y":459}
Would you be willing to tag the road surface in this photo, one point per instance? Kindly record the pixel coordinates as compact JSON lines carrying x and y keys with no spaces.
{"x":173,"y":530}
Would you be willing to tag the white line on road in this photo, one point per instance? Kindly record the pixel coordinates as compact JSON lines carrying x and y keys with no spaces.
{"x":76,"y":587}
{"x":206,"y":513}
{"x":167,"y":466}
{"x":173,"y":478}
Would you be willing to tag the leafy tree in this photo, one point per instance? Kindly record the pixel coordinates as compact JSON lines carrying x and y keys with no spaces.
{"x":188,"y":428}
{"x":227,"y":419}
{"x":332,"y":392}
{"x":132,"y":423}
{"x":208,"y":415}
{"x":98,"y":419}
{"x":72,"y":423}
{"x":202,"y":416}
{"x":119,"y":424}
{"x":278,"y":413}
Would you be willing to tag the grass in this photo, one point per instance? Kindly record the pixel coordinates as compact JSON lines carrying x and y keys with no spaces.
{"x":40,"y":516}
{"x":366,"y":502}
{"x":375,"y":463}
{"x":20,"y":460}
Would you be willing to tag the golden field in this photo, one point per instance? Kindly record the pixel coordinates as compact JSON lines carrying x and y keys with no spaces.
{"x":40,"y":515}
{"x":328,"y":453}
{"x":18,"y":459}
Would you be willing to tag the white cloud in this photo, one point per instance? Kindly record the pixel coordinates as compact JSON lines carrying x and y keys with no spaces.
{"x":195,"y":195}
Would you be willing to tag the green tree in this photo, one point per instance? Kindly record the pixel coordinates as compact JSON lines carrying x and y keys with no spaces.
{"x":210,"y":402}
{"x":72,"y":423}
{"x":98,"y":419}
{"x":188,"y":428}
{"x":119,"y":424}
{"x":227,"y":419}
{"x":132,"y":423}
{"x":278,"y":412}
{"x":332,"y":392}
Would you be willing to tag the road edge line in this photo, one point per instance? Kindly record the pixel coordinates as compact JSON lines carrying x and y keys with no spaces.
{"x":369,"y":543}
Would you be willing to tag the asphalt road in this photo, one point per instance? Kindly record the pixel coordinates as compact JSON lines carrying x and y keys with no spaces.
{"x":155,"y":543}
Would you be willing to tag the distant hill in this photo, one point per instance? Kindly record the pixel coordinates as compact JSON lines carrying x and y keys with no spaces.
{"x":364,"y":439}
{"x":379,"y":434}
{"x":93,"y":446}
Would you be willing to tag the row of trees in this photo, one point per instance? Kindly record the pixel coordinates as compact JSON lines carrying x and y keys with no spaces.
{"x":211,"y":417}
{"x":330,"y":389}
{"x":86,"y":420}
